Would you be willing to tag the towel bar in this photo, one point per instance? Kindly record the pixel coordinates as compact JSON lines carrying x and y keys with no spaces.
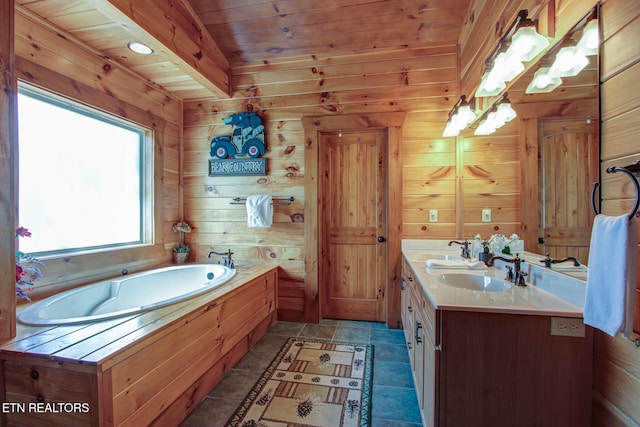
{"x":631,"y":171}
{"x":276,"y":201}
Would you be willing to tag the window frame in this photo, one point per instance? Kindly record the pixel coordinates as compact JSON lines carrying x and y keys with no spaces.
{"x":146,"y":163}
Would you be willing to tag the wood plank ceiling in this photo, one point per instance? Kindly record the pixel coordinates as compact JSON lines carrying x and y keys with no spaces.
{"x":198,"y":42}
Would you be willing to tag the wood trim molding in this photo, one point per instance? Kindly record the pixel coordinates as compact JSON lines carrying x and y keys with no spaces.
{"x":313,"y":125}
{"x":8,"y":172}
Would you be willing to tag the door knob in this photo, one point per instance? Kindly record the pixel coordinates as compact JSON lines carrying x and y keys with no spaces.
{"x":381,"y":239}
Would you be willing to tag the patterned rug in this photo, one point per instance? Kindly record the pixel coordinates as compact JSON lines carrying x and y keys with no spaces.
{"x":311,"y":383}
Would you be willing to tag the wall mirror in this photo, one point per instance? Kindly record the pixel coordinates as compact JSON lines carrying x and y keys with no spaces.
{"x":560,"y":160}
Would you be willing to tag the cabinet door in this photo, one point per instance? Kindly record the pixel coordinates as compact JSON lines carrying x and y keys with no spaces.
{"x":418,"y":354}
{"x":430,"y":383}
{"x":407,"y":309}
{"x":430,"y":360}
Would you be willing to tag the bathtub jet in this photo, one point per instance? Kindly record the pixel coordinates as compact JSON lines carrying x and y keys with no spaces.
{"x":128,"y":295}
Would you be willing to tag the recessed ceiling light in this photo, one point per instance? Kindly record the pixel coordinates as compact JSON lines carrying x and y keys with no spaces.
{"x":140,"y":48}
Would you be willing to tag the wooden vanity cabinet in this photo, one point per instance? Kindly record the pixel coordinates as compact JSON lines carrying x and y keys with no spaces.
{"x":494,"y":369}
{"x":419,"y":322}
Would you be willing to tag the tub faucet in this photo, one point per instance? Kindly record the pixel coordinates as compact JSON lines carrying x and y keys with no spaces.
{"x":227,"y":261}
{"x":548,"y":261}
{"x":515,"y":275}
{"x":464,"y":248}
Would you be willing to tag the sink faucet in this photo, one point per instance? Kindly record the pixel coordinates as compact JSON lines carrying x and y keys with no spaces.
{"x":548,"y":261}
{"x":464,"y":248}
{"x":226,"y":260}
{"x":515,"y":275}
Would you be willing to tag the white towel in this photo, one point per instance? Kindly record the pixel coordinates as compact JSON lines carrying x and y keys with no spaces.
{"x":259,"y":211}
{"x":456,"y":264}
{"x":611,"y":277}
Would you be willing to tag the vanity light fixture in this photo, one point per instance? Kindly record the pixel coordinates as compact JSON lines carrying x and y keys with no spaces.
{"x":496,"y":117}
{"x":590,"y":39}
{"x":526,"y":43}
{"x":140,"y":48}
{"x":569,"y":62}
{"x":459,"y":118}
{"x":521,"y":43}
{"x":504,"y":111}
{"x":542,"y":82}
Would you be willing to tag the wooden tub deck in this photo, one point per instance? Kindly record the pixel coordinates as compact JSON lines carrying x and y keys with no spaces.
{"x":143,"y":369}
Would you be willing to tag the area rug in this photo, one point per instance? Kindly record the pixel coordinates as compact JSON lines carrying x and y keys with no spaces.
{"x":311,"y":383}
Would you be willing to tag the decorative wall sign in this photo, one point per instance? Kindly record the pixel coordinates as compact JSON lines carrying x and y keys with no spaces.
{"x":247,"y":140}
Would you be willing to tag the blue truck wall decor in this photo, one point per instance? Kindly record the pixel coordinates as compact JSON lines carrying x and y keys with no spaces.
{"x":247,"y":140}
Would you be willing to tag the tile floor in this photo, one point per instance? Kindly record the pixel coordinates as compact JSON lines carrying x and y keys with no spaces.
{"x":394,"y":397}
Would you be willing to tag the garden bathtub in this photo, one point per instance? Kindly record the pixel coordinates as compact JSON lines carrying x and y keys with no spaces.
{"x":126,"y":295}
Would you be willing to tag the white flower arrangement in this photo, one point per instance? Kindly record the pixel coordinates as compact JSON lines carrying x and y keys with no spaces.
{"x":497,"y":243}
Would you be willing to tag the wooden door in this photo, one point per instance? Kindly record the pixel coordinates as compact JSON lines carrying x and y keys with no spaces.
{"x":569,"y":168}
{"x":354,"y":223}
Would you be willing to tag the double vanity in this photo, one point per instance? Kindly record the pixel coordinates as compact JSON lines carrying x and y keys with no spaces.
{"x":486,"y":352}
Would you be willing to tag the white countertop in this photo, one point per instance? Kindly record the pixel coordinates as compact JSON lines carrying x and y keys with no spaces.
{"x":547,"y":293}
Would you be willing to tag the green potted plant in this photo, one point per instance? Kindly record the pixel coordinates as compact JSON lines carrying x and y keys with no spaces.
{"x":181,"y":252}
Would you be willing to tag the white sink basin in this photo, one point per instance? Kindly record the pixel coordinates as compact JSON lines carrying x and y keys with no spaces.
{"x":474,"y":282}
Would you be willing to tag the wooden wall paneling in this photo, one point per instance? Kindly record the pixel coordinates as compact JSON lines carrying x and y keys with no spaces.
{"x":620,"y":94}
{"x":618,"y":53}
{"x":219,"y":225}
{"x":41,"y":44}
{"x":491,"y":170}
{"x":617,"y":360}
{"x":8,"y":172}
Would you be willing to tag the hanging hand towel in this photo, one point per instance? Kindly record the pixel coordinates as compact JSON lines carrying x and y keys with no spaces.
{"x":259,"y":211}
{"x":611,"y":277}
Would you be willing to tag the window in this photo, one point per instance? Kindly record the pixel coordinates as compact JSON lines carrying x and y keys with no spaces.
{"x":83,"y":177}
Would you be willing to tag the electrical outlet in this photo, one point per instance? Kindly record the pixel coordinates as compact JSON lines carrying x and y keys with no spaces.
{"x":486,"y":215}
{"x":433,"y":215}
{"x":567,"y":326}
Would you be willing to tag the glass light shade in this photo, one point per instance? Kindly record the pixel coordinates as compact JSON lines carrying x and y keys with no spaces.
{"x":568,"y":63}
{"x":465,"y":116}
{"x":494,"y":119}
{"x":484,"y":128}
{"x":450,"y":130}
{"x":590,"y":39}
{"x":542,"y":82}
{"x":526,"y":44}
{"x":505,"y":68}
{"x":505,"y":113}
{"x":489,"y":87}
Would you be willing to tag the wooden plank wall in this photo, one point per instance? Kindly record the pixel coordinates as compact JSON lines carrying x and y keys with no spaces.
{"x":8,"y":131}
{"x":70,"y":69}
{"x":421,"y":82}
{"x":491,"y":179}
{"x":616,"y":360}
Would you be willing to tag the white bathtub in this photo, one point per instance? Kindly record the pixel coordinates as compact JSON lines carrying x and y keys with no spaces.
{"x":126,"y":295}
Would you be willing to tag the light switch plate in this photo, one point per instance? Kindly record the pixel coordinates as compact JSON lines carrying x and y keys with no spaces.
{"x":433,"y":215}
{"x":486,"y":215}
